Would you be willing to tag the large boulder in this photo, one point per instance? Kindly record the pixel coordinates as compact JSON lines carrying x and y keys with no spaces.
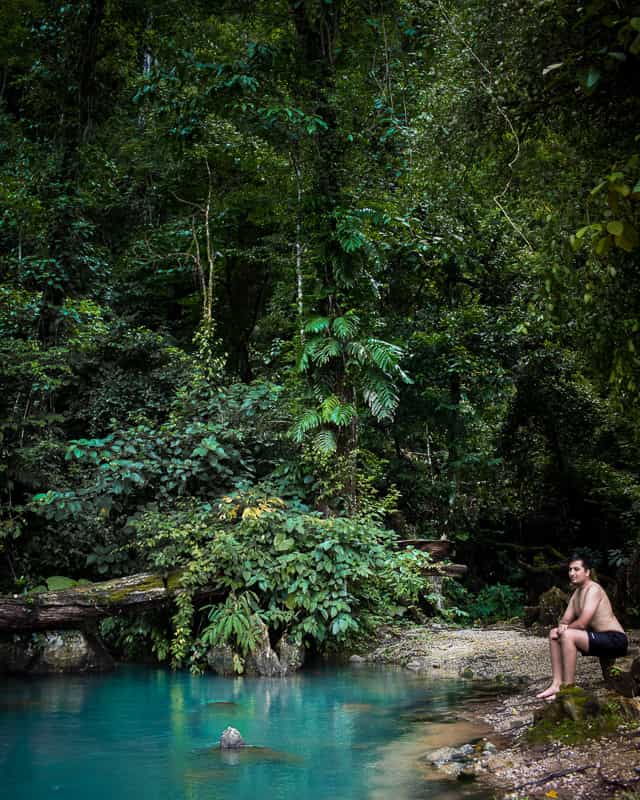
{"x":54,"y":652}
{"x":622,"y":675}
{"x":290,"y":654}
{"x":552,"y":604}
{"x":220,"y":660}
{"x":545,"y":615}
{"x":572,"y":703}
{"x":263,"y":660}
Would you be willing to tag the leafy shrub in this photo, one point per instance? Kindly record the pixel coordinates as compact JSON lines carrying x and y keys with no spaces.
{"x":496,"y":602}
{"x":318,"y":580}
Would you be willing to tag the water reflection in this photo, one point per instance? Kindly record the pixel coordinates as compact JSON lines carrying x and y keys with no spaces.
{"x":152,"y":734}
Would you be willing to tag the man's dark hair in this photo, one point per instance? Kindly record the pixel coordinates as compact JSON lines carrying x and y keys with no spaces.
{"x":586,"y":561}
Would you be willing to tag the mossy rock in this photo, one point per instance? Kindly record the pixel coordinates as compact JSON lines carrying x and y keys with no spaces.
{"x":54,"y":652}
{"x":575,"y":716}
{"x":552,"y":604}
{"x":571,"y":702}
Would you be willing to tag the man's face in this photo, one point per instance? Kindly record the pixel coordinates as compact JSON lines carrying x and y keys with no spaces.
{"x":577,"y":573}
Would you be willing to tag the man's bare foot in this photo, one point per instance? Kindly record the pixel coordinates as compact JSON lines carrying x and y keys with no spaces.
{"x":551,"y":693}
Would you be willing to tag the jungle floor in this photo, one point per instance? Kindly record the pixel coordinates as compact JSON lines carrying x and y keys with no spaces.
{"x":511,"y":666}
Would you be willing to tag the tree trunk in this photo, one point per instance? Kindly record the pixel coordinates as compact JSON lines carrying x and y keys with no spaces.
{"x":82,"y":605}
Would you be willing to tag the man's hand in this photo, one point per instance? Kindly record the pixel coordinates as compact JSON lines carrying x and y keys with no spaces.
{"x":556,"y":633}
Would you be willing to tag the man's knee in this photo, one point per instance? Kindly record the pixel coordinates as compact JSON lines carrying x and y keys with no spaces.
{"x":568,"y":639}
{"x":574,"y":638}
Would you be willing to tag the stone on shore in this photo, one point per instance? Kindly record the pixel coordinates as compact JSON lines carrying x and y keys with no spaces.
{"x":54,"y":652}
{"x":265,"y":661}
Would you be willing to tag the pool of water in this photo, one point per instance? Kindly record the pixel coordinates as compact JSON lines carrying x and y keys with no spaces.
{"x":150,"y":734}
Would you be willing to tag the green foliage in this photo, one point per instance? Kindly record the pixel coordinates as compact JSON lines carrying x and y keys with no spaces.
{"x":235,"y":623}
{"x":135,"y":639}
{"x":317,"y":580}
{"x":226,"y":242}
{"x":496,"y":602}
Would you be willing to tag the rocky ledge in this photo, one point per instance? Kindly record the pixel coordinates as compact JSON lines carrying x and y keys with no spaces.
{"x":53,"y":652}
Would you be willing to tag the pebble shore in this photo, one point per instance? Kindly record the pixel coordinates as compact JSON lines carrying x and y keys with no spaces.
{"x":508,"y":656}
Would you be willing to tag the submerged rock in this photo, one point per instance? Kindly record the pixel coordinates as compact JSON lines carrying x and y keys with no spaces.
{"x":54,"y":652}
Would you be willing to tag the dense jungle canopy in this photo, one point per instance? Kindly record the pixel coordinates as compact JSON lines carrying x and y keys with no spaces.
{"x":282,"y":281}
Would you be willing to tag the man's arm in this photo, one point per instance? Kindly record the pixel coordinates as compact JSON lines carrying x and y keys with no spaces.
{"x":591,"y":603}
{"x":570,"y":614}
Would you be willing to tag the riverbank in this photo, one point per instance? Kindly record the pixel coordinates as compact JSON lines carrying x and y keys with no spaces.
{"x":516,"y":666}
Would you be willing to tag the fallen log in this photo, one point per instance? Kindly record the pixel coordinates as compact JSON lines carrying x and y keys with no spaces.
{"x":79,"y":606}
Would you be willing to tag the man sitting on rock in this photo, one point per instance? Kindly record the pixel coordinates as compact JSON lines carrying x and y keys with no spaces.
{"x":588,"y":625}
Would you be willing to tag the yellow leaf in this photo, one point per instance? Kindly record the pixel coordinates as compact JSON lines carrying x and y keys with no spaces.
{"x":551,"y":793}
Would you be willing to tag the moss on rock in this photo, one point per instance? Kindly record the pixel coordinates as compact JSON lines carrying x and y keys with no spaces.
{"x":574,"y":717}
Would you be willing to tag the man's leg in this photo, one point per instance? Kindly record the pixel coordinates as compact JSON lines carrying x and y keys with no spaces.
{"x":555,"y":651}
{"x":570,"y":642}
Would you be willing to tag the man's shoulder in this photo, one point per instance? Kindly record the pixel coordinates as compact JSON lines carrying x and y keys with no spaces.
{"x":593,"y":589}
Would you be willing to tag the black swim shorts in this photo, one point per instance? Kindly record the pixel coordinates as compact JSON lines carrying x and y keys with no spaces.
{"x":607,"y":643}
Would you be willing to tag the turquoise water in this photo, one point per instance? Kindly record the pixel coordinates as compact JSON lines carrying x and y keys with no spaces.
{"x":149,"y":734}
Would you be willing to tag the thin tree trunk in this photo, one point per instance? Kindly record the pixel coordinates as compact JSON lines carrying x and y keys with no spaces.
{"x":299,"y":284}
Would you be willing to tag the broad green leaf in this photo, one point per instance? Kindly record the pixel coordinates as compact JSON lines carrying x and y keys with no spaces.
{"x":283,"y":543}
{"x":316,"y":325}
{"x":593,"y":77}
{"x":603,"y":245}
{"x":56,"y":582}
{"x":622,"y":188}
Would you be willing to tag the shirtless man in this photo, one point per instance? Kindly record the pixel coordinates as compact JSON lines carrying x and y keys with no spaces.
{"x":588,"y":625}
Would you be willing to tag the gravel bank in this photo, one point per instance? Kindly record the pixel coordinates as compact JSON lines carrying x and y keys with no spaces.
{"x":597,"y":770}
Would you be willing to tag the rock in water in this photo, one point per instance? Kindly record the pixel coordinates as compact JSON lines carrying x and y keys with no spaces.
{"x":231,"y":739}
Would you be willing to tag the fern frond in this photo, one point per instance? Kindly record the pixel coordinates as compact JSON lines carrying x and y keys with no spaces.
{"x":325,"y":442}
{"x":384,"y":354}
{"x":329,"y":405}
{"x":357,"y":351}
{"x":310,"y":419}
{"x":345,"y":327}
{"x":380,"y":395}
{"x":309,"y":352}
{"x":342,"y":415}
{"x":317,"y":325}
{"x":324,"y":352}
